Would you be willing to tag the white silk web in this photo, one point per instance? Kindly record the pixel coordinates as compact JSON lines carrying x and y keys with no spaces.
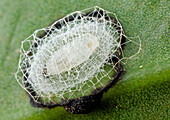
{"x":72,"y":59}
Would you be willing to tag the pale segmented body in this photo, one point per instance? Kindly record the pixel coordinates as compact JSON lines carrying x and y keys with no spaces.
{"x":69,"y":57}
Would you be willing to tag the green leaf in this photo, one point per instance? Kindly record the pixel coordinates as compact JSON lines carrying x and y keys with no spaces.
{"x":142,"y":94}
